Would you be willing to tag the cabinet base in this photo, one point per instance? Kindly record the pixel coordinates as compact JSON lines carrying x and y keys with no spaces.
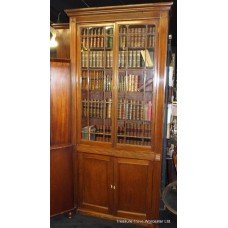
{"x":69,"y":213}
{"x":111,"y":217}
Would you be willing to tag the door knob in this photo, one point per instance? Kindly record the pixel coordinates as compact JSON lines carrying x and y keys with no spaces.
{"x":113,"y":186}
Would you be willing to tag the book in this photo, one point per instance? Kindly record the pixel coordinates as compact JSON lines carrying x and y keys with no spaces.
{"x":88,"y":132}
{"x":138,"y":59}
{"x":147,"y":58}
{"x":130,"y":58}
{"x":134,"y":57}
{"x":149,"y":110}
{"x":111,"y":58}
{"x":136,"y":82}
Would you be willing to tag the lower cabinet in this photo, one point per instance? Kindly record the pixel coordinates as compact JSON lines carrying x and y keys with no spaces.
{"x":95,"y":178}
{"x":61,"y":180}
{"x":133,"y":183}
{"x":121,"y":187}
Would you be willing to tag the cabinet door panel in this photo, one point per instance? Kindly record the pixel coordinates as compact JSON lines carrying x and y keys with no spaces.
{"x":133,"y":180}
{"x":94,"y":182}
{"x":61,"y":180}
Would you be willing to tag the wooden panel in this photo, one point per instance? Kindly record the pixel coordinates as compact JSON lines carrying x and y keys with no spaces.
{"x":74,"y":83}
{"x":60,"y":103}
{"x":131,"y":151}
{"x":118,"y":17}
{"x":61,"y":179}
{"x":95,"y":173}
{"x":63,"y":39}
{"x":156,"y":190}
{"x":133,"y":180}
{"x":161,"y":83}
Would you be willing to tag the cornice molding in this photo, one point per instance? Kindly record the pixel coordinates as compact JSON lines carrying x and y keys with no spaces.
{"x":119,"y":9}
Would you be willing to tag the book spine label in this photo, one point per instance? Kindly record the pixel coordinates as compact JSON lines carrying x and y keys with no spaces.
{"x":138,"y":59}
{"x":90,"y":59}
{"x":134,"y":59}
{"x":130,"y":59}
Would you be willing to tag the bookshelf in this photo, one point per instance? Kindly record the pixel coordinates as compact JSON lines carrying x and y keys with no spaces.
{"x":134,"y":80}
{"x":118,"y":75}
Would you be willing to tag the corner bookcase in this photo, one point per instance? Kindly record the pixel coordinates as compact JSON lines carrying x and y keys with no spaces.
{"x":118,"y":76}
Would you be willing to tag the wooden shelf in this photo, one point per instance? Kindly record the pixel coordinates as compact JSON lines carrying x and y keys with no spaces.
{"x":60,"y":60}
{"x":132,"y":136}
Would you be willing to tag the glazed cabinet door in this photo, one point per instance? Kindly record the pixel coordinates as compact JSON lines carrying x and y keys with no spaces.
{"x":133,"y":188}
{"x":95,"y":178}
{"x":95,"y":73}
{"x":136,"y":74}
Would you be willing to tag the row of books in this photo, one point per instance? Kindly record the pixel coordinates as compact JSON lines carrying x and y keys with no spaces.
{"x":103,"y":139}
{"x":137,"y":41}
{"x":135,"y":58}
{"x":129,"y":82}
{"x":151,"y":29}
{"x":135,"y":129}
{"x":134,"y":141}
{"x":134,"y":110}
{"x":97,"y":42}
{"x":97,"y":108}
{"x":96,"y":59}
{"x":92,"y":137}
{"x":97,"y":31}
{"x":103,"y":128}
{"x":92,"y":31}
{"x":93,"y":42}
{"x":97,"y":81}
{"x":89,"y":133}
{"x":150,"y":41}
{"x":138,"y":30}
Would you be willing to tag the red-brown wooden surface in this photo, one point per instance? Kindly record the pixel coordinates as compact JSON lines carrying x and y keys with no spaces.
{"x":60,"y":103}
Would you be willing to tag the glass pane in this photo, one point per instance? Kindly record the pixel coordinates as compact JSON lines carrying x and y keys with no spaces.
{"x":135,"y":84}
{"x":96,"y":82}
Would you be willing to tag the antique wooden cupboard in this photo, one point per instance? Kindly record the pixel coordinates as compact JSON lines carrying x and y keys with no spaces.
{"x":118,"y":77}
{"x":61,"y":151}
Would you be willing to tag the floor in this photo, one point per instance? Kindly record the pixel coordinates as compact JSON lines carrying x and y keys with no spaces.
{"x":167,"y":220}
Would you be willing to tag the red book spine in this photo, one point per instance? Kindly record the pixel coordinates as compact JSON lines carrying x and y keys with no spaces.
{"x":149,"y":110}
